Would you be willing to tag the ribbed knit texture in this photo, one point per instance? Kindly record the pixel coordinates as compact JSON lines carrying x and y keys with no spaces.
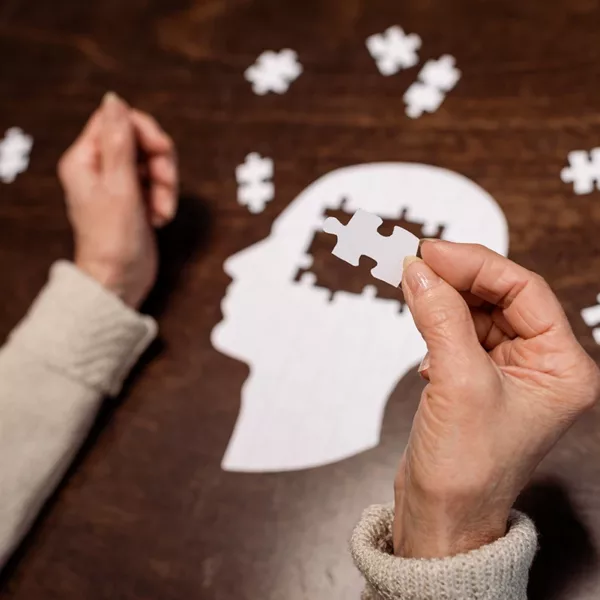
{"x":76,"y":344}
{"x":498,"y":571}
{"x":75,"y":325}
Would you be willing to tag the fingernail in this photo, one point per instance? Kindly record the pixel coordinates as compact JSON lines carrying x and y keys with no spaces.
{"x":424,"y":364}
{"x":109,"y":98}
{"x":169,"y":210}
{"x":409,"y":260}
{"x":418,"y":277}
{"x":113,"y":104}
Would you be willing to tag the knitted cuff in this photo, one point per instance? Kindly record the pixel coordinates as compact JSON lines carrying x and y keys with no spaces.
{"x":78,"y":327}
{"x":497,"y":571}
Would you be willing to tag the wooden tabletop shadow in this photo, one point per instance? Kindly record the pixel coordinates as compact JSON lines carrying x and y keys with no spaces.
{"x":566,"y":549}
{"x":179,"y":242}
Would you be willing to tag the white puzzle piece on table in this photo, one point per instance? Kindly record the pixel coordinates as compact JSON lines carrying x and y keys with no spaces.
{"x":435,"y":80}
{"x":323,"y":363}
{"x":254,"y":186}
{"x":394,"y":50}
{"x":15,"y":149}
{"x":583,"y":170}
{"x":274,"y":72}
{"x":441,"y":73}
{"x":360,"y":238}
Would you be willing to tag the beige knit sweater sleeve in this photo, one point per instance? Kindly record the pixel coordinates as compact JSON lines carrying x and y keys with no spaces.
{"x":498,"y":571}
{"x":75,"y":346}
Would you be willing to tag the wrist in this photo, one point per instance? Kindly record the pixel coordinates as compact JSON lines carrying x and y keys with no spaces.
{"x":111,"y":278}
{"x":443,"y":529}
{"x":428,"y":543}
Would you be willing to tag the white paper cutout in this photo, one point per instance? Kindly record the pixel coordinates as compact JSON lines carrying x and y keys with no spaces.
{"x":254,"y":186}
{"x":591,"y":317}
{"x":394,"y":50}
{"x":583,"y":170}
{"x":436,"y":78}
{"x":361,"y":238}
{"x":14,"y":154}
{"x":323,"y":368}
{"x":273,"y":72}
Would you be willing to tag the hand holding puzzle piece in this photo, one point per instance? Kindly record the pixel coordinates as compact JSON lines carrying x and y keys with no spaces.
{"x":360,"y":238}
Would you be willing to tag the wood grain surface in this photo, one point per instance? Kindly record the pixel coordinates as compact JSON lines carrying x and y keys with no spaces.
{"x":146,"y":512}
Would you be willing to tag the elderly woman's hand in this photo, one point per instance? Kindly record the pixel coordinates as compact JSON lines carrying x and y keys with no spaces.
{"x":506,"y":379}
{"x":120,"y":181}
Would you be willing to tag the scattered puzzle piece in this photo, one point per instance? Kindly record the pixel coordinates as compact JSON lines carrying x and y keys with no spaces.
{"x":583,"y":170}
{"x":394,"y":50}
{"x":420,"y":98}
{"x":441,"y":73}
{"x":435,"y":79}
{"x":254,"y":186}
{"x":274,"y":72}
{"x":14,"y":154}
{"x":361,"y":238}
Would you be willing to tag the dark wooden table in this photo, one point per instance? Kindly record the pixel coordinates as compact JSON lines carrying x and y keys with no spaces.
{"x":147,"y":512}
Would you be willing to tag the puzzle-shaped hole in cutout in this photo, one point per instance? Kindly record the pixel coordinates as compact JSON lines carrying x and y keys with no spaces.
{"x":335,"y":275}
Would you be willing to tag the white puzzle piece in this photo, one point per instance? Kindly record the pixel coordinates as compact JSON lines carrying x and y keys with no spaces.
{"x":274,"y":72}
{"x":14,"y":154}
{"x":360,"y":238}
{"x":323,"y":365}
{"x":394,"y":50}
{"x":441,"y":73}
{"x":583,"y":170}
{"x":435,"y":80}
{"x":254,"y":186}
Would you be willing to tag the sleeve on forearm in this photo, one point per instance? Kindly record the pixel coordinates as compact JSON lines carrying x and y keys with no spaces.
{"x":80,"y":329}
{"x":76,"y":345}
{"x":498,"y":571}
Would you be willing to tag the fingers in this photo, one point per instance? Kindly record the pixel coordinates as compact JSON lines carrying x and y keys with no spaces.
{"x":444,"y":320}
{"x":118,"y":145}
{"x":151,"y":136}
{"x":159,"y":152}
{"x":528,"y":305}
{"x":491,"y":329}
{"x":108,"y":147}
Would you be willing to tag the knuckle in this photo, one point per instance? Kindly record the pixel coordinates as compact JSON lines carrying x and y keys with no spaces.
{"x":118,"y":139}
{"x":479,"y":248}
{"x":581,"y":384}
{"x":537,"y":278}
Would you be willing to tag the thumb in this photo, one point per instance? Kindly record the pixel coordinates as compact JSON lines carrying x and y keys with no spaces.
{"x":444,"y":320}
{"x":118,"y":144}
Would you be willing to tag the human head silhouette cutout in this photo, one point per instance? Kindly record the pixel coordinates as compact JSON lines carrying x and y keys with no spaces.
{"x":322,"y":369}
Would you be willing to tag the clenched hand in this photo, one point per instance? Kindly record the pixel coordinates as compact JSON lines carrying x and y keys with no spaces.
{"x":507,"y":378}
{"x":120,"y":180}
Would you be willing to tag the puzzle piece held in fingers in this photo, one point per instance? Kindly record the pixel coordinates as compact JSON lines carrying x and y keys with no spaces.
{"x":361,"y":238}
